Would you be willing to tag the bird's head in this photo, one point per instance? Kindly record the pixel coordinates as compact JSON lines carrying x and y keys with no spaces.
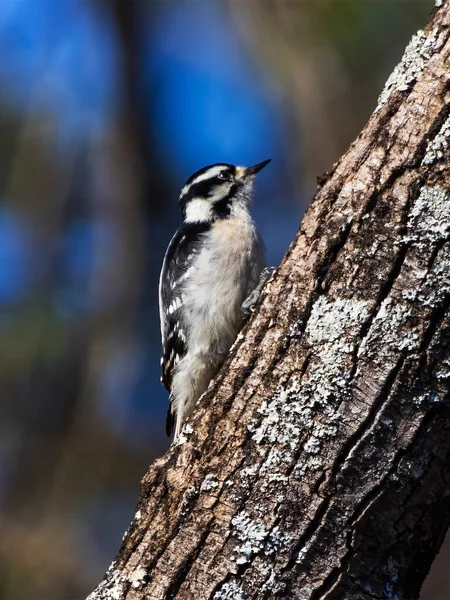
{"x":213,"y":192}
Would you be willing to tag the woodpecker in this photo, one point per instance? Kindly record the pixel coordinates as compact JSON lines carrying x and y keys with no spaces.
{"x":212,"y":273}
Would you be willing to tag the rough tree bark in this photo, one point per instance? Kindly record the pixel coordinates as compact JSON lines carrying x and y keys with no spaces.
{"x":317,"y":464}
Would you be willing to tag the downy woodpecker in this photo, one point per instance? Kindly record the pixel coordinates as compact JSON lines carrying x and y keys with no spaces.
{"x":212,"y":265}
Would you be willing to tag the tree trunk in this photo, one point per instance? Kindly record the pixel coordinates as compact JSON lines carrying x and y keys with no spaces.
{"x":317,"y":464}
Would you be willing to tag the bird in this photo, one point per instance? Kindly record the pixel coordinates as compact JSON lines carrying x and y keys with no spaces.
{"x":212,"y":273}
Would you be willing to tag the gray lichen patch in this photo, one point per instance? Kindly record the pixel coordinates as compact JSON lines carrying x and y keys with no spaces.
{"x":209,"y":483}
{"x":293,"y":502}
{"x":255,"y":539}
{"x":444,"y":372}
{"x":395,"y":328}
{"x":418,"y":51}
{"x":436,"y":286}
{"x":331,"y":321}
{"x":230,"y":591}
{"x":386,"y":333}
{"x":438,"y":146}
{"x":301,"y":414}
{"x":333,"y":330}
{"x":248,"y":475}
{"x":251,"y":534}
{"x":429,"y":217}
{"x":111,"y":588}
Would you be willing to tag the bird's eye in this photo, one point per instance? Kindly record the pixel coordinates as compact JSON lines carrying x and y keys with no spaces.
{"x":224,"y":175}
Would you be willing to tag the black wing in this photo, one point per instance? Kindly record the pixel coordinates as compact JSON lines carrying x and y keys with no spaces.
{"x":180,"y":256}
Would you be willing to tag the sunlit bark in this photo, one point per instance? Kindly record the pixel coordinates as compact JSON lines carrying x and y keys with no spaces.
{"x":317,"y":465}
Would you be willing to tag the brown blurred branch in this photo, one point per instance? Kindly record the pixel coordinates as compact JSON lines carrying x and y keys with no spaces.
{"x":317,"y":465}
{"x":325,"y":86}
{"x":281,"y":33}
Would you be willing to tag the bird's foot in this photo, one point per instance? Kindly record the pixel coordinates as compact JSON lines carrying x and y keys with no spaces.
{"x":249,"y":304}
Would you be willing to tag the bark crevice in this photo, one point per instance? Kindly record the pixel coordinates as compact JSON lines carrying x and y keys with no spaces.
{"x":319,"y":459}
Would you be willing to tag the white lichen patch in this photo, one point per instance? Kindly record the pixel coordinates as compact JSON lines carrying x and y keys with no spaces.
{"x":386,"y":335}
{"x":429,"y":217}
{"x":331,"y":321}
{"x":277,"y":477}
{"x":111,"y":566}
{"x":444,"y":372}
{"x":249,"y":471}
{"x":277,"y":542}
{"x":230,"y":591}
{"x":184,"y":435}
{"x":436,"y":286}
{"x":295,"y":329}
{"x":282,"y":415}
{"x":304,"y":413}
{"x":438,"y":147}
{"x":255,"y":538}
{"x":312,"y":445}
{"x":428,"y":223}
{"x":209,"y":483}
{"x":248,"y":474}
{"x":333,"y":329}
{"x":111,"y":588}
{"x":251,"y":534}
{"x":314,"y":463}
{"x":138,"y":515}
{"x":418,"y":51}
{"x":137,"y":577}
{"x":301,"y":555}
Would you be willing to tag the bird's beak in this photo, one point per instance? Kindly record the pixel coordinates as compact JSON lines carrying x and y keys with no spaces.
{"x":248,"y":171}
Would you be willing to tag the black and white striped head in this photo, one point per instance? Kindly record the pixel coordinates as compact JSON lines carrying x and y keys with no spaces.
{"x":215,"y":191}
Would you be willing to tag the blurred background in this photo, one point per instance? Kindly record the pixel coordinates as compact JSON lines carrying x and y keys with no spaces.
{"x":106,"y":108}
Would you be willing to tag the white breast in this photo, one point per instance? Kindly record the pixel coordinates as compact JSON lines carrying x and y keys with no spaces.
{"x":226,"y":271}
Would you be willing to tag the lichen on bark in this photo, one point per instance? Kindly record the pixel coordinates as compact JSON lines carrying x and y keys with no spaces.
{"x":317,"y":464}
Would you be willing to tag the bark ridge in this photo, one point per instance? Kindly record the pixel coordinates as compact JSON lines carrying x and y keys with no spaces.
{"x":317,"y":465}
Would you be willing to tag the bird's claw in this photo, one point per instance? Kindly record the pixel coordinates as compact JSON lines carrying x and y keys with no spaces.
{"x":249,"y":304}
